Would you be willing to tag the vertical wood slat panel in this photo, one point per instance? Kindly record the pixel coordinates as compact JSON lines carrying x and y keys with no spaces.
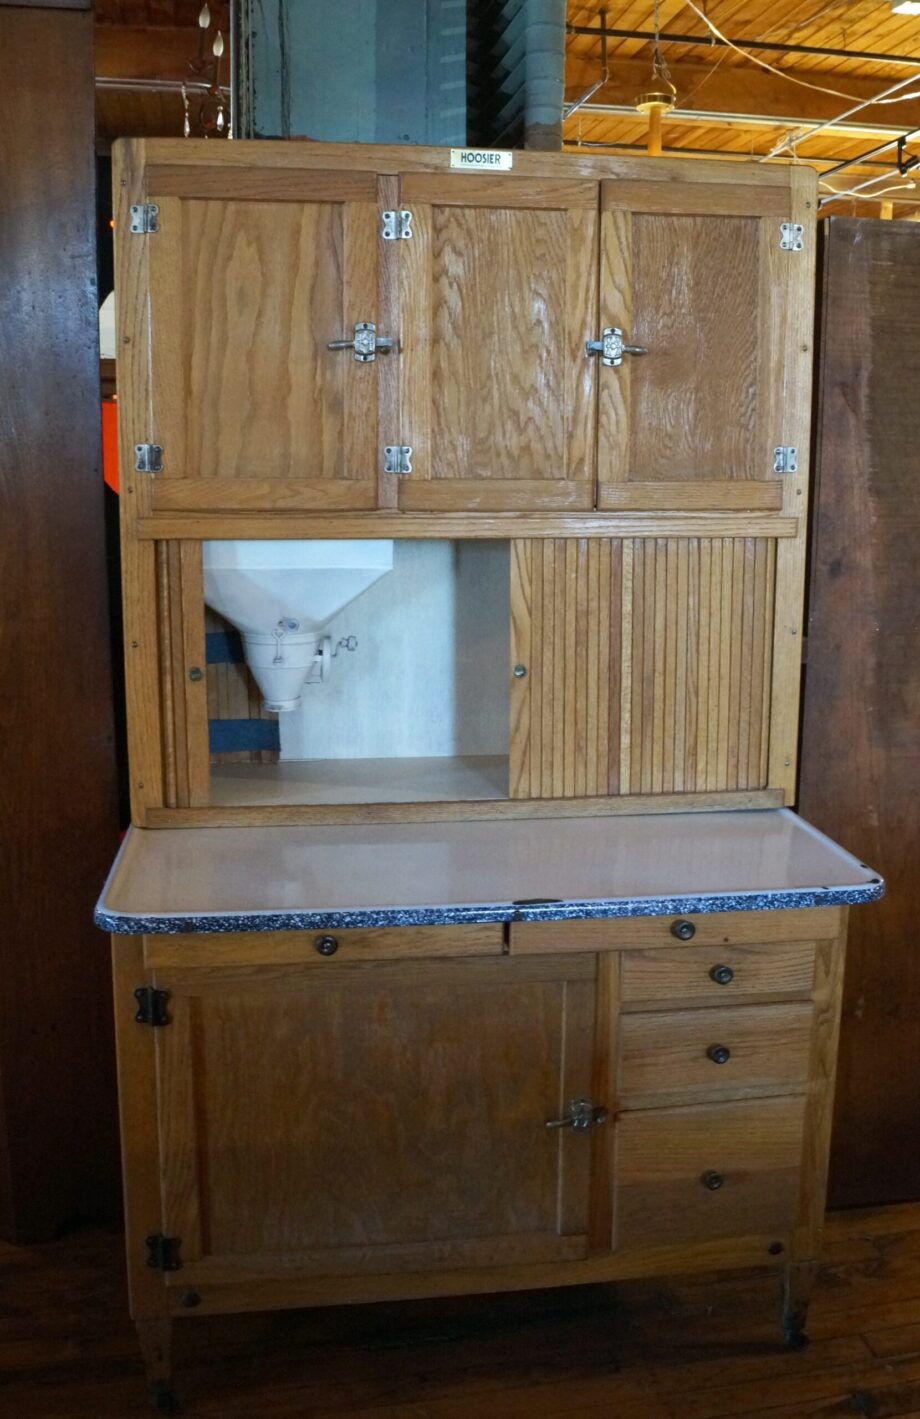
{"x":649,"y":665}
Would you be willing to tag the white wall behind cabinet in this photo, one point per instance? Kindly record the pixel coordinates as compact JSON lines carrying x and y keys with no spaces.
{"x":430,"y":675}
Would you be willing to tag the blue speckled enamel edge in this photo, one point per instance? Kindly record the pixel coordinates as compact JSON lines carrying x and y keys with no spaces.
{"x":462,"y":915}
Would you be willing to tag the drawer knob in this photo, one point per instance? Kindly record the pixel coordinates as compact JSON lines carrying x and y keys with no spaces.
{"x":722,"y":975}
{"x":712,"y":1180}
{"x":326,"y":945}
{"x":683,"y":930}
{"x":719,"y":1054}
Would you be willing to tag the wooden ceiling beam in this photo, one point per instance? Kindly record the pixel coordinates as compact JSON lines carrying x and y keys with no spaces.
{"x":145,"y":51}
{"x":736,"y":89}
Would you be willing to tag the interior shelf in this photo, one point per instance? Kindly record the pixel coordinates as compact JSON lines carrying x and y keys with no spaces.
{"x":319,"y":781}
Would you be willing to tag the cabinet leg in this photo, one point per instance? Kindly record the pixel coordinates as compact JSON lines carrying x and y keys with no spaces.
{"x":797,"y":1280}
{"x":155,"y":1336}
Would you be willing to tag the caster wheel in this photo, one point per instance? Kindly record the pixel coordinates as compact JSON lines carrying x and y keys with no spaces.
{"x":165,"y":1400}
{"x":796,"y":1340}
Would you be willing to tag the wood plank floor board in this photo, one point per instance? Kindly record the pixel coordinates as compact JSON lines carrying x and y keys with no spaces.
{"x":690,"y":1348}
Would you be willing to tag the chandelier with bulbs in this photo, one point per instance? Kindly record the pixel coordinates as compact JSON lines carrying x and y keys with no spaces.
{"x":204,"y":97}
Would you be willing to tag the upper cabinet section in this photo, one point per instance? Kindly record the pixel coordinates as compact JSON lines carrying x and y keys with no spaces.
{"x":498,"y":285}
{"x":332,"y":328}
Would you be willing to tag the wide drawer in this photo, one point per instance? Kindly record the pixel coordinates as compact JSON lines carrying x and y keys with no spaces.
{"x":686,"y":1055}
{"x":323,"y":948}
{"x":717,"y":974}
{"x":717,"y":1170}
{"x":706,"y":929}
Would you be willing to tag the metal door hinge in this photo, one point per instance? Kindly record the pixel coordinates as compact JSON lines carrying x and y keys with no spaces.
{"x":397,"y":458}
{"x":144,"y":218}
{"x":784,"y":460}
{"x":163,"y":1252}
{"x":612,"y":347}
{"x":397,"y":226}
{"x":581,"y":1116}
{"x":151,"y":1006}
{"x":791,"y":236}
{"x":367,"y":344}
{"x":148,"y":458}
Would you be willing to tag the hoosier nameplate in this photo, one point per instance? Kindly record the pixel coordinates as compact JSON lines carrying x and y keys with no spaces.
{"x":481,"y":159}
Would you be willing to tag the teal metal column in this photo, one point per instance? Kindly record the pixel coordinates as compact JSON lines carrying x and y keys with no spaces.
{"x":369,"y":71}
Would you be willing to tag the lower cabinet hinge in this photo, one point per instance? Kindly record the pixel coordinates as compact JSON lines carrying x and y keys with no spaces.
{"x":148,"y":458}
{"x":791,"y":236}
{"x":151,"y":1006}
{"x":397,"y":458}
{"x":785,"y":460}
{"x":144,"y":218}
{"x":163,"y":1252}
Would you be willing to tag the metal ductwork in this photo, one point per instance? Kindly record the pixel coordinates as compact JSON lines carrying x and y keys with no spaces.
{"x":372,"y":71}
{"x":516,"y":73}
{"x":484,"y":72}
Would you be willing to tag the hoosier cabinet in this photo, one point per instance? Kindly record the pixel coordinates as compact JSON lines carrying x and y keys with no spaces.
{"x":464,"y":938}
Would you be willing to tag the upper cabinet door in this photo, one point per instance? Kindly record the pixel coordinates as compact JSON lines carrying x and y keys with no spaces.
{"x":695,"y":275}
{"x":498,"y":290}
{"x":252,"y":275}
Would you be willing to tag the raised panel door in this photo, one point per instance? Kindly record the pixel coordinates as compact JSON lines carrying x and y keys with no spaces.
{"x":499,"y":293}
{"x":695,"y":275}
{"x":374,"y":1119}
{"x":250,"y":281}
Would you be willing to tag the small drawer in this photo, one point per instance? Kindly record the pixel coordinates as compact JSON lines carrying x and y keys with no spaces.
{"x":717,"y":974}
{"x":720,"y":1170}
{"x":706,"y":929}
{"x":323,"y":948}
{"x":681,"y":1056}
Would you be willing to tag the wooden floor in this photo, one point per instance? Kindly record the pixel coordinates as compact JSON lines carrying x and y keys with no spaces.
{"x":705,"y":1349}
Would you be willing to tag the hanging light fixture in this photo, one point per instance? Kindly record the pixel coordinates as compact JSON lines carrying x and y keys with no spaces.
{"x":661,"y":95}
{"x":204,"y":83}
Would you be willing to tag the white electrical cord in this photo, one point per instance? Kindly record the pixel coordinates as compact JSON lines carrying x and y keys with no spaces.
{"x":803,"y":83}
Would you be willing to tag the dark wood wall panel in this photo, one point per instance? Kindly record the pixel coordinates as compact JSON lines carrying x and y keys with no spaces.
{"x":861,"y":736}
{"x":58,"y":818}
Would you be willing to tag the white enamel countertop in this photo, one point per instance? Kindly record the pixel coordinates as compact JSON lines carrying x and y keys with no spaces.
{"x":320,"y":878}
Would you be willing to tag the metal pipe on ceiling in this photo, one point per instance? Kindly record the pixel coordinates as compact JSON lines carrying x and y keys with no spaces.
{"x":727,"y":153}
{"x":864,"y":158}
{"x":746,"y":120}
{"x":155,"y":86}
{"x":570,"y":108}
{"x":707,"y":39}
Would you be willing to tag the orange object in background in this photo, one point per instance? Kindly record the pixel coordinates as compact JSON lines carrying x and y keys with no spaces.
{"x":110,"y":443}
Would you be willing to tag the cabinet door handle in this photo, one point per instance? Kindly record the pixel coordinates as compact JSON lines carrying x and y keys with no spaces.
{"x":712,"y":1180}
{"x":612,"y":348}
{"x":719,"y":1054}
{"x":365,"y":342}
{"x":582,"y":1115}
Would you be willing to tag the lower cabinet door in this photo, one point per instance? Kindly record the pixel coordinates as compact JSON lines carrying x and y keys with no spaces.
{"x":716,"y":1170}
{"x":376,"y":1118}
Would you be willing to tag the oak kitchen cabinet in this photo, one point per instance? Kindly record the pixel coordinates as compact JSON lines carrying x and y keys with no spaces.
{"x":472,"y":302}
{"x":403,"y":1098}
{"x":571,"y":1017}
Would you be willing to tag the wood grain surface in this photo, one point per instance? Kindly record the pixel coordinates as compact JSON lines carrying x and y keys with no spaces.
{"x":58,"y":810}
{"x":250,"y":406}
{"x":860,"y":748}
{"x":496,"y":389}
{"x":704,"y":1347}
{"x":664,"y":1154}
{"x":449,"y":1155}
{"x":648,"y":665}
